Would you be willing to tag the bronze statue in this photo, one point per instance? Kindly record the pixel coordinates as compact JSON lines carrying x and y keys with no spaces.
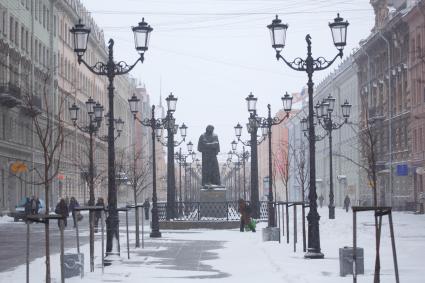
{"x":209,"y":147}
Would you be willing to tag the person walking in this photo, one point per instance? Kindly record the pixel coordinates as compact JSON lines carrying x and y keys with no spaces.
{"x":73,"y":203}
{"x":62,"y":209}
{"x":347,"y":203}
{"x":98,"y":213}
{"x":146,"y":206}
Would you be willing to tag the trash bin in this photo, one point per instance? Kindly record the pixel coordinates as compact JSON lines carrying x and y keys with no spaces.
{"x":346,"y":261}
{"x":73,"y":265}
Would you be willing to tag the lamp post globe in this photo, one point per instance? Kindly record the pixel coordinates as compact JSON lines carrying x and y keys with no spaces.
{"x":278,"y":34}
{"x":331,"y":100}
{"x":81,"y":37}
{"x":234,"y":145}
{"x":171,"y":102}
{"x":98,"y":112}
{"x":339,"y":32}
{"x":346,"y":109}
{"x":73,"y":111}
{"x":90,"y":103}
{"x":141,"y":36}
{"x":190,"y":146}
{"x":238,"y":130}
{"x":251,"y":102}
{"x":134,"y":102}
{"x":287,"y":102}
{"x":183,"y":130}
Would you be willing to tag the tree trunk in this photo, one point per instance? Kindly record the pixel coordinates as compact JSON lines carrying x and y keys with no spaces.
{"x":46,"y":225}
{"x":136,"y":209}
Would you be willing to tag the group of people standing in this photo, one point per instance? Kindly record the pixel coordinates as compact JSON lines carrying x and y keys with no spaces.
{"x":63,"y":208}
{"x":32,"y":206}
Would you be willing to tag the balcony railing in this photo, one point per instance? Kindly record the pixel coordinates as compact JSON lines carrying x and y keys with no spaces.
{"x":10,"y":95}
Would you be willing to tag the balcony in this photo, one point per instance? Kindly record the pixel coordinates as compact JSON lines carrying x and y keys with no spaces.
{"x":10,"y":95}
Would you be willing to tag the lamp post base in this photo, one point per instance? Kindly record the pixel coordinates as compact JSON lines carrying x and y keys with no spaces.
{"x":314,"y":255}
{"x":331,"y":211}
{"x":155,"y":234}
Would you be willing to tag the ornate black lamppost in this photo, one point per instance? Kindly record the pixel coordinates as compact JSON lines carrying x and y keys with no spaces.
{"x":95,"y":113}
{"x":252,"y":127}
{"x":110,"y":69}
{"x":156,"y":126}
{"x":181,"y":159}
{"x":242,"y":156}
{"x":310,"y":65}
{"x":172,"y":128}
{"x":326,"y":120}
{"x":267,"y":124}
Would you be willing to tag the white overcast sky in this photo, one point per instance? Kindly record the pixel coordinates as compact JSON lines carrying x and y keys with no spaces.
{"x":212,"y":53}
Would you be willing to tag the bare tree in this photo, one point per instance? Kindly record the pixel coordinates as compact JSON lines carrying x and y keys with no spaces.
{"x":368,"y":136}
{"x":48,"y":128}
{"x":138,"y":174}
{"x":302,"y":178}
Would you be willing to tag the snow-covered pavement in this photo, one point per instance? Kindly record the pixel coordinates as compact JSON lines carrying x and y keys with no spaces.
{"x":231,"y":256}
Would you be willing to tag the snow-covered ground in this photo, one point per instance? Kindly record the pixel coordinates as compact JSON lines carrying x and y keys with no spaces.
{"x":5,"y":219}
{"x":231,"y":256}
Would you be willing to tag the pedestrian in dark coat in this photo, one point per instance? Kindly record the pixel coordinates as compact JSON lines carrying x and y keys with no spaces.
{"x":62,"y":209}
{"x":347,"y":203}
{"x":245,"y":211}
{"x":73,"y":203}
{"x":27,"y":206}
{"x":98,"y":213}
{"x":146,"y":206}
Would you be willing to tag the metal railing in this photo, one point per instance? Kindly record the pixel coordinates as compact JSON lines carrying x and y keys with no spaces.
{"x":207,"y":211}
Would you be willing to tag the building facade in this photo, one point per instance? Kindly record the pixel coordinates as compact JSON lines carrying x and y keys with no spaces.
{"x":37,"y":60}
{"x":385,"y":99}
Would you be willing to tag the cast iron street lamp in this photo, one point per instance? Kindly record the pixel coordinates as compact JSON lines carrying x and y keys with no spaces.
{"x":110,"y":69}
{"x":310,"y":65}
{"x":242,"y":156}
{"x":325,"y":118}
{"x":252,"y":127}
{"x":267,"y":124}
{"x":181,"y":159}
{"x":172,"y":128}
{"x":156,"y":126}
{"x":95,"y":113}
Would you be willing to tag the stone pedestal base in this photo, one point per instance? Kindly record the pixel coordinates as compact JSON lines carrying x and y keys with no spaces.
{"x":213,"y":202}
{"x":271,"y":234}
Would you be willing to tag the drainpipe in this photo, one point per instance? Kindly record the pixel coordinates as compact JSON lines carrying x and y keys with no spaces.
{"x":390,"y":146}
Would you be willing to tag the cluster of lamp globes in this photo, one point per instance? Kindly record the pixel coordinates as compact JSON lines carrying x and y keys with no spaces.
{"x":324,"y":111}
{"x":95,"y":112}
{"x":254,"y":122}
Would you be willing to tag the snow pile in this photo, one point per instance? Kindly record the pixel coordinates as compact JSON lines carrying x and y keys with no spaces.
{"x":5,"y":219}
{"x":232,"y":256}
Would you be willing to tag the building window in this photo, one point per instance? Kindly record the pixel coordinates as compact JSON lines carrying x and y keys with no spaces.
{"x":11,"y":29}
{"x":54,"y":25}
{"x":36,"y":9}
{"x":22,"y":38}
{"x":3,"y":18}
{"x":44,"y":16}
{"x":16,"y":34}
{"x":26,"y":41}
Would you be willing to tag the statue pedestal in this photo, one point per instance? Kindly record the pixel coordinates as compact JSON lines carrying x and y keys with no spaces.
{"x":213,"y":202}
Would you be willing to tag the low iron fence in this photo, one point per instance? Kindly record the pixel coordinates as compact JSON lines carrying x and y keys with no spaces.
{"x":206,"y":211}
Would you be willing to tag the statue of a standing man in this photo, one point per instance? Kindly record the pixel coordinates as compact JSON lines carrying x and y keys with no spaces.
{"x":209,"y":147}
